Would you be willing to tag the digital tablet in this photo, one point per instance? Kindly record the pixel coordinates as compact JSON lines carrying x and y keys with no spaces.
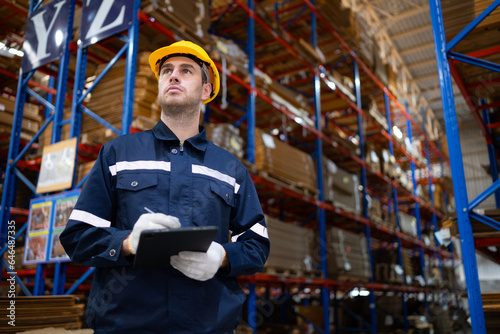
{"x":157,"y":246}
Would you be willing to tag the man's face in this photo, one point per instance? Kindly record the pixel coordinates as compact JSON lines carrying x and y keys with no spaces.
{"x":180,"y":85}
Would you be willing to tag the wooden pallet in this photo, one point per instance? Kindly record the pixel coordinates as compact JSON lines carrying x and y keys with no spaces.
{"x":289,"y":184}
{"x":291,"y":272}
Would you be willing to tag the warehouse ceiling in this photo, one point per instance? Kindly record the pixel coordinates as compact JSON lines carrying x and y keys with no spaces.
{"x":405,"y":27}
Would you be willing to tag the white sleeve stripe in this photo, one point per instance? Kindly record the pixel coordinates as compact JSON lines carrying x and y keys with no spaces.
{"x":197,"y":169}
{"x":257,"y":228}
{"x":234,"y":238}
{"x":139,"y":165}
{"x":89,"y":218}
{"x":260,"y":230}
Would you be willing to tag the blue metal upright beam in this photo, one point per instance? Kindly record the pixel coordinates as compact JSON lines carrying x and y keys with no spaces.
{"x":62,"y":79}
{"x":357,"y":88}
{"x":417,"y":204}
{"x":251,"y":95}
{"x":457,"y":169}
{"x":396,"y":211}
{"x":128,"y":96}
{"x":250,"y":49}
{"x":325,"y":293}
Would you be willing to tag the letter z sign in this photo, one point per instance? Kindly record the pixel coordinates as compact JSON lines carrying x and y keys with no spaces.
{"x":46,"y":32}
{"x":103,"y":18}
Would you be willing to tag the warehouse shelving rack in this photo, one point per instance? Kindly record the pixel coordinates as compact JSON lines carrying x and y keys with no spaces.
{"x":15,"y":156}
{"x":326,"y":211}
{"x":446,"y":68}
{"x":294,"y":53}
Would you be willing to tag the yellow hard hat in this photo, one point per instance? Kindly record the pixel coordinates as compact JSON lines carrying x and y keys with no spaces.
{"x":190,"y":50}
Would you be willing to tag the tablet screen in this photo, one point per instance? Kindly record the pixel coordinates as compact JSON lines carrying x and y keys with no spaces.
{"x":157,"y":246}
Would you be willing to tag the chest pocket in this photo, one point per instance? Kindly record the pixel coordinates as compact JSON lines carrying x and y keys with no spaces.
{"x":223,"y":191}
{"x":135,"y":190}
{"x":213,"y":204}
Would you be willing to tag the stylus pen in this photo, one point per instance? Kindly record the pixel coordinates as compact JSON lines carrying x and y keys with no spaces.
{"x":148,"y":210}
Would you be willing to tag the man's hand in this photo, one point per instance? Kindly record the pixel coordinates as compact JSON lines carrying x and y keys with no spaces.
{"x":198,"y":265}
{"x":148,"y":221}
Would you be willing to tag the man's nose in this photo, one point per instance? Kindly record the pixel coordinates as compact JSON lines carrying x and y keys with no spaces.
{"x":175,"y":75}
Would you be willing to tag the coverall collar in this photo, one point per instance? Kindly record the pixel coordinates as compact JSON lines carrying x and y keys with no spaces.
{"x":163,"y":132}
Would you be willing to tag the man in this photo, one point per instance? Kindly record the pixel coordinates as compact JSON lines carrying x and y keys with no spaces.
{"x":188,"y":181}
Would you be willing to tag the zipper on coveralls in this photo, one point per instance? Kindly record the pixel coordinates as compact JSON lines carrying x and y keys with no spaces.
{"x":181,"y":145}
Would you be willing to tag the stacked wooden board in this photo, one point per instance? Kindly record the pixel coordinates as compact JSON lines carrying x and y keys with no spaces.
{"x":43,"y":311}
{"x":491,"y":307}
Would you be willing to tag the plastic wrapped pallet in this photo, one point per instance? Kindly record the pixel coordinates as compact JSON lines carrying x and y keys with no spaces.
{"x":226,"y":136}
{"x":284,"y":162}
{"x":408,"y":224}
{"x":341,"y":187}
{"x":348,"y":256}
{"x":292,"y":250}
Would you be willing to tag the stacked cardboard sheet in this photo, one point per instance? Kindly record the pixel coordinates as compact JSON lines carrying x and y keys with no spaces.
{"x":341,"y":187}
{"x":106,"y":99}
{"x":190,"y":19}
{"x":292,"y":250}
{"x":31,"y":118}
{"x":285,"y":163}
{"x":348,"y":256}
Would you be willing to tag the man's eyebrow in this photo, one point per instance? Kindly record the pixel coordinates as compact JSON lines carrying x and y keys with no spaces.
{"x":169,"y":65}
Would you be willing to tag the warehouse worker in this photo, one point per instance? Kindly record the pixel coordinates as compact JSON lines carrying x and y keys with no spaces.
{"x":187,"y":181}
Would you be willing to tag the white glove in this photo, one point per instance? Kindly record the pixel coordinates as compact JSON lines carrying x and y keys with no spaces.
{"x":150,"y":221}
{"x":198,"y":265}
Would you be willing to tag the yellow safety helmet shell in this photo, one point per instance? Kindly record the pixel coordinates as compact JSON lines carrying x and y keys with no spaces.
{"x":189,"y":49}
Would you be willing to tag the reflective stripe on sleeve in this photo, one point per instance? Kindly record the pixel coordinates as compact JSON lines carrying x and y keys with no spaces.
{"x":256,"y":228}
{"x":89,"y":218}
{"x":202,"y":170}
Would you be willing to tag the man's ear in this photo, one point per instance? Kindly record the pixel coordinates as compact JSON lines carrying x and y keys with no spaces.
{"x":207,"y":90}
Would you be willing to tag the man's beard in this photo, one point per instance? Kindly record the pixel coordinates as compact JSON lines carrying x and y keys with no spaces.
{"x":180,"y":109}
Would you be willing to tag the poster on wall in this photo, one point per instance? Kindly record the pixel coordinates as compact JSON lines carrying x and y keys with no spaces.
{"x":58,"y":166}
{"x":47,"y":218}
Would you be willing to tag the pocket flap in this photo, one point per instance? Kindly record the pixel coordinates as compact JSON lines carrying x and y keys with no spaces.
{"x":225,"y":192}
{"x":136,"y":181}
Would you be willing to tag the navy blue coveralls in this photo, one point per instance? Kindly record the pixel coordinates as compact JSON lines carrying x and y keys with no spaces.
{"x":197,"y":182}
